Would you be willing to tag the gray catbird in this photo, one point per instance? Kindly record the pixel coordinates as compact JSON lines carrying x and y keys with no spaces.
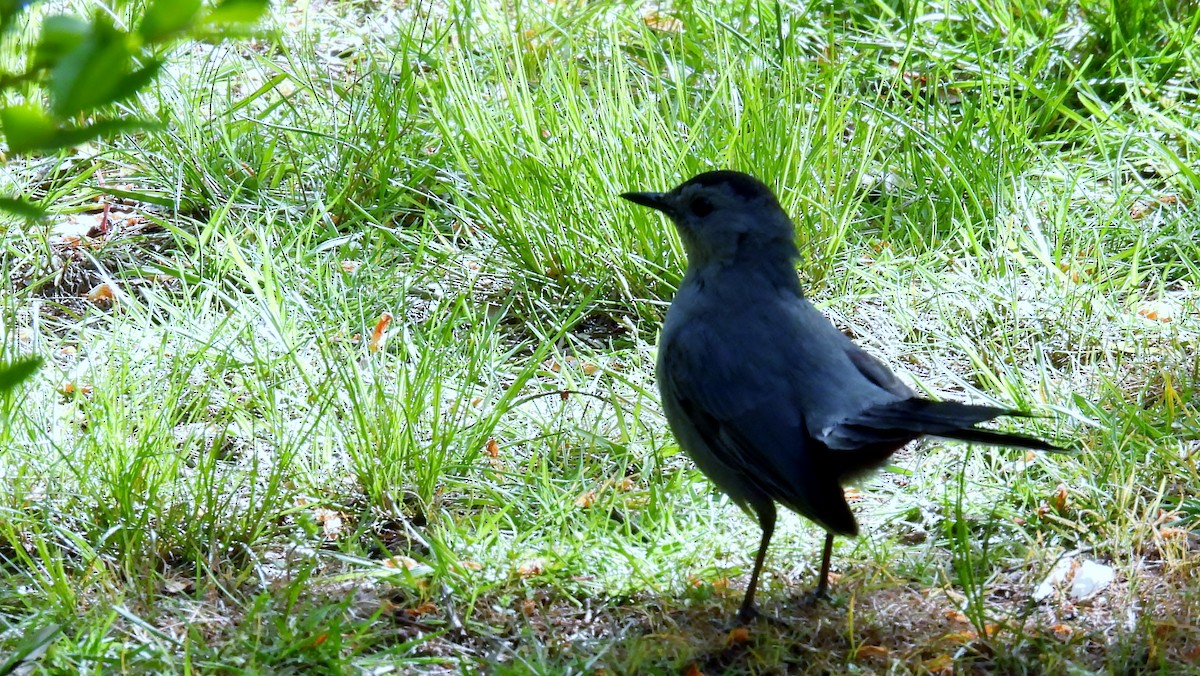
{"x":771,"y":401}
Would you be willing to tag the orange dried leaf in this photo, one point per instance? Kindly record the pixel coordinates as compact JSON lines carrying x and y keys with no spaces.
{"x":586,"y":499}
{"x":1140,"y":209}
{"x":401,"y":561}
{"x":868,"y":652}
{"x":1158,"y":310}
{"x":104,"y":292}
{"x":377,"y":333}
{"x":492,"y":448}
{"x":531,"y":568}
{"x":423,"y":609}
{"x":331,"y":522}
{"x":942,"y":664}
{"x":1063,"y":631}
{"x":961,"y":637}
{"x":472,"y":565}
{"x":956,"y":616}
{"x":692,"y":670}
{"x":737,"y":636}
{"x":1059,"y":499}
{"x":664,"y":23}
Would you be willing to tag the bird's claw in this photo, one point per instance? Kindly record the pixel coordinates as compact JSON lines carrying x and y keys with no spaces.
{"x":750,"y":614}
{"x":814,"y":597}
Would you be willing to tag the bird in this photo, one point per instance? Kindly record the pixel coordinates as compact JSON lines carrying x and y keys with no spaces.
{"x":770,"y":400}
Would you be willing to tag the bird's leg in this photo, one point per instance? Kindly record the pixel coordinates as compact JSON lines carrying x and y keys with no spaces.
{"x":766,"y":520}
{"x":822,"y":590}
{"x":823,"y":582}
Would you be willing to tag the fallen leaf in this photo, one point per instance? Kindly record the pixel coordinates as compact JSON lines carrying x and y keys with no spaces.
{"x":426,"y":608}
{"x":956,"y":616}
{"x":869,"y":652}
{"x":331,"y":522}
{"x":586,"y":499}
{"x":531,"y":568}
{"x":961,"y":637}
{"x":1059,"y":499}
{"x":737,"y":636}
{"x":350,"y":267}
{"x":175,"y":586}
{"x":1062,"y":631}
{"x":942,"y":664}
{"x":492,"y":448}
{"x":73,"y":388}
{"x":104,"y":293}
{"x":377,"y":333}
{"x":401,"y":561}
{"x":1158,"y":310}
{"x":663,"y":22}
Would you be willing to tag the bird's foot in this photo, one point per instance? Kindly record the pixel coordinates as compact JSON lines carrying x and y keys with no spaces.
{"x":750,"y":614}
{"x":814,"y":597}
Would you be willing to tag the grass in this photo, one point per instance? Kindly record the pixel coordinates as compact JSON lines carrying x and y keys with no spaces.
{"x":215,"y":472}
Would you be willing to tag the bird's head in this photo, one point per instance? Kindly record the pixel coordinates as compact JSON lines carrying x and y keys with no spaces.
{"x":724,"y":215}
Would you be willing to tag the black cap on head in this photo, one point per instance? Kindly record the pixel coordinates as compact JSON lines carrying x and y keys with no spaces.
{"x":745,"y":185}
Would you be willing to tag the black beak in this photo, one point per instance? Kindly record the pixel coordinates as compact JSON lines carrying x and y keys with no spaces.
{"x":654,"y":200}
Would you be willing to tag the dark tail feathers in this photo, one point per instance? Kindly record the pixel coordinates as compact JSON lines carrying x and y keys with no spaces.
{"x":905,"y":420}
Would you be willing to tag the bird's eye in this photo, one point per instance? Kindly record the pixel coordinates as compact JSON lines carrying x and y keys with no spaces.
{"x":700,"y":207}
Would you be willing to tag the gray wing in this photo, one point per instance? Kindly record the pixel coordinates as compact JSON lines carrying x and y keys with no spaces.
{"x":877,"y":372}
{"x":736,"y":411}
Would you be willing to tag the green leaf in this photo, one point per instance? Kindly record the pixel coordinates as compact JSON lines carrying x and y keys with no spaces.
{"x":89,"y":75}
{"x":27,"y":128}
{"x":9,"y":11}
{"x":60,"y":36}
{"x":73,"y":136}
{"x":165,"y":18}
{"x":16,"y":372}
{"x":23,"y":208}
{"x":237,"y":11}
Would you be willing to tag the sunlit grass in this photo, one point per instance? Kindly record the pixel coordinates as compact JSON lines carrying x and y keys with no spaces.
{"x":217,"y":472}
